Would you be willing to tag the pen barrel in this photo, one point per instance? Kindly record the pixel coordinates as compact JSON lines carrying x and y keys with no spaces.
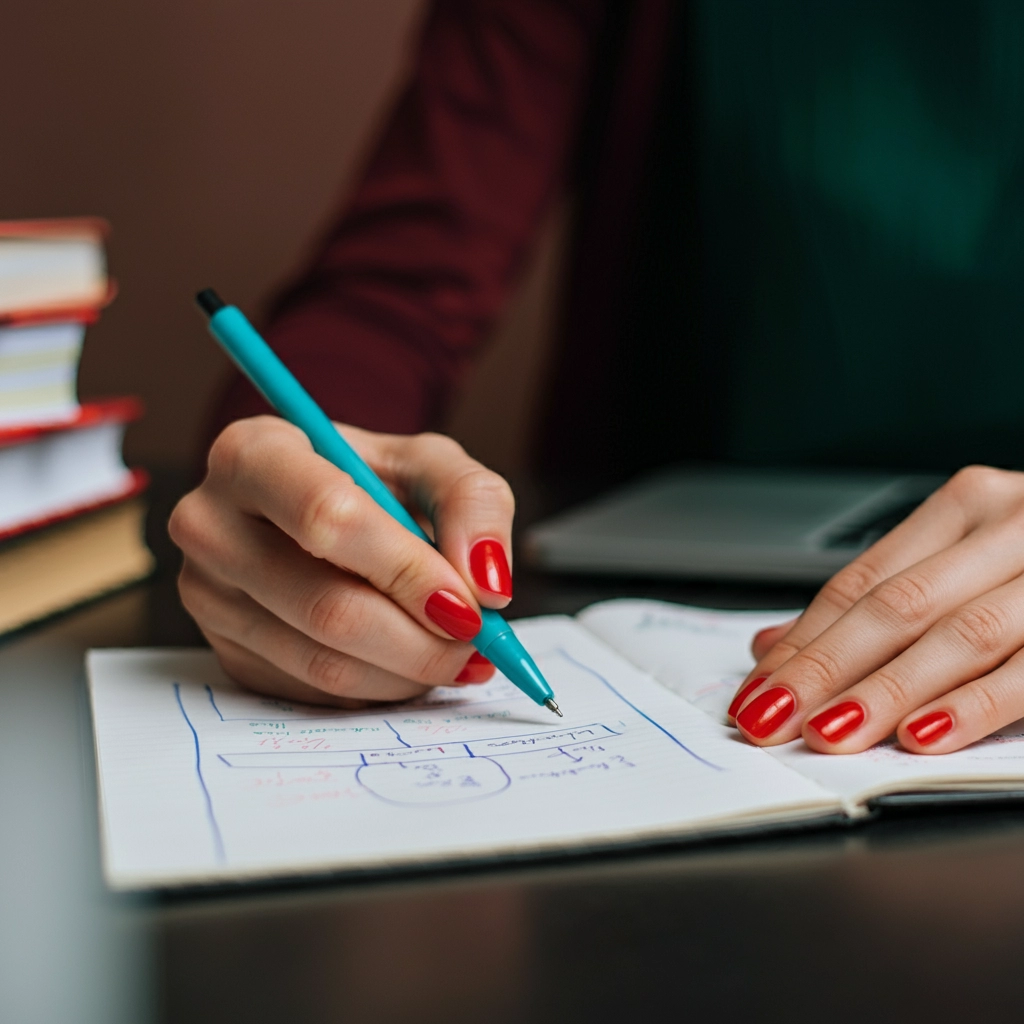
{"x":512,"y":660}
{"x":261,"y":364}
{"x":258,"y":361}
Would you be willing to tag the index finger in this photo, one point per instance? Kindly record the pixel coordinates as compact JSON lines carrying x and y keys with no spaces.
{"x":271,"y":471}
{"x":878,"y":628}
{"x":470,"y":506}
{"x":939,"y":522}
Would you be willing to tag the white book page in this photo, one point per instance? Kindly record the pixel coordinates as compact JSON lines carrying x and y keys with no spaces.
{"x":699,"y":653}
{"x":704,"y":654}
{"x":61,"y":471}
{"x":200,"y":780}
{"x":991,"y":764}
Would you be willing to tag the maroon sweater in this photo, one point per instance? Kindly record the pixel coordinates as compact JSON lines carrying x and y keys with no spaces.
{"x":388,"y":315}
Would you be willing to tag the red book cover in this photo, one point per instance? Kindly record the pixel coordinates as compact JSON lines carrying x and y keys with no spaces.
{"x":91,"y":228}
{"x":94,"y":229}
{"x":139,"y":482}
{"x":58,"y":314}
{"x":109,"y":410}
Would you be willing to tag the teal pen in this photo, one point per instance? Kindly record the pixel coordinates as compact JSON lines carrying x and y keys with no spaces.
{"x":258,"y":361}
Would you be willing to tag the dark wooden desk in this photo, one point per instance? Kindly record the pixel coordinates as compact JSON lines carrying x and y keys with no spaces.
{"x":915,"y":917}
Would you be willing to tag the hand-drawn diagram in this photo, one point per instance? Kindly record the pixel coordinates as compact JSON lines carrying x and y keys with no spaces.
{"x":430,"y":773}
{"x":449,"y":747}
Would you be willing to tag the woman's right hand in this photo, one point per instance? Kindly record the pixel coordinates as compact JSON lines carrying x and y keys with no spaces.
{"x":308,"y":590}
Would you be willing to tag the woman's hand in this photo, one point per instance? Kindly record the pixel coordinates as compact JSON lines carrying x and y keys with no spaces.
{"x":308,"y":590}
{"x":922,"y":635}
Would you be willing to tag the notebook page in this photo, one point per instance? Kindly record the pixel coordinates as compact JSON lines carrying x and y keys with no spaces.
{"x":704,"y":654}
{"x":699,"y":653}
{"x":994,"y":763}
{"x":200,"y":780}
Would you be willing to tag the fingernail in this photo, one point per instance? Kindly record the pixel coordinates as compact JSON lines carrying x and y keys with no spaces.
{"x":766,"y":712}
{"x":761,"y":632}
{"x":931,"y":727}
{"x":453,"y":615}
{"x":489,"y":567}
{"x":737,"y":701}
{"x":477,"y":670}
{"x":838,"y":722}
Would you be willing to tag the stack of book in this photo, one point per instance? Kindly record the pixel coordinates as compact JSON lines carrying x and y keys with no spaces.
{"x":71,"y":512}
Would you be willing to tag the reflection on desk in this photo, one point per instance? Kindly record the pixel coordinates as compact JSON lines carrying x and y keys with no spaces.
{"x":922,"y":914}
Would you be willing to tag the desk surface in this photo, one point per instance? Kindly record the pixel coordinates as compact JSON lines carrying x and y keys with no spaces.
{"x":917,"y":915}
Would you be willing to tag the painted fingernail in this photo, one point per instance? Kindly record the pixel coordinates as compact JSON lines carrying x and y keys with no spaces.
{"x":837,"y":722}
{"x":931,"y":727}
{"x":489,"y":567}
{"x":453,"y":615}
{"x":766,"y":712}
{"x":741,"y":696}
{"x":477,"y":670}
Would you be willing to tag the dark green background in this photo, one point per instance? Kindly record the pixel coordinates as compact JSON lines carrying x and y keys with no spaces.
{"x":832,"y":262}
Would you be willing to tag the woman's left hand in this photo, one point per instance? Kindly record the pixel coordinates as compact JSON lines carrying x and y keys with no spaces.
{"x":921,"y":635}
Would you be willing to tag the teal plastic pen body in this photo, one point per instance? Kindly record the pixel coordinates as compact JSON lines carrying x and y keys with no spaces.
{"x":255,"y":358}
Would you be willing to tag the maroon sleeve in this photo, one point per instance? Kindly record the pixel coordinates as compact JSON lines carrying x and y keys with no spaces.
{"x":402,"y":291}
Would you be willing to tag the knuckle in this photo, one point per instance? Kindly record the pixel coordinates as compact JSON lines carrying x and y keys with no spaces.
{"x":329,"y":516}
{"x":988,"y":705}
{"x":242,"y":445}
{"x":982,"y":629}
{"x":977,"y":481}
{"x":850,"y":584}
{"x":186,"y":524}
{"x":903,"y":598}
{"x":438,"y":445}
{"x":819,"y":667}
{"x":481,"y":488}
{"x":403,"y":576}
{"x":229,"y":448}
{"x":338,"y":617}
{"x":332,"y":671}
{"x":438,"y":665}
{"x":895,"y":689}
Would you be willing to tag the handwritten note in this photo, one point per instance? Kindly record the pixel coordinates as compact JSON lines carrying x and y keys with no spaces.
{"x":699,"y":653}
{"x":201,"y":780}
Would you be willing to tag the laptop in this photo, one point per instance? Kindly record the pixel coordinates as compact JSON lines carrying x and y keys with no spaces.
{"x":729,"y":523}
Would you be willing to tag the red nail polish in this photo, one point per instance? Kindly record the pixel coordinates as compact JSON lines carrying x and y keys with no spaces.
{"x":766,"y":712}
{"x":931,"y":727}
{"x":741,"y":696}
{"x":453,"y":615}
{"x":837,"y":722}
{"x":489,"y":567}
{"x":477,"y":670}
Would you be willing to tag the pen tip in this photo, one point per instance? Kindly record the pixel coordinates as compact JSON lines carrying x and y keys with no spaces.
{"x":552,"y":706}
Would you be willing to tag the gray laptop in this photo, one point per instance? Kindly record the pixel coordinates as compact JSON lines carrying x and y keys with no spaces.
{"x":728,"y":523}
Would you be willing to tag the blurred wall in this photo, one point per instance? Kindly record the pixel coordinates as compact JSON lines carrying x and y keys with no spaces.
{"x":216,"y":136}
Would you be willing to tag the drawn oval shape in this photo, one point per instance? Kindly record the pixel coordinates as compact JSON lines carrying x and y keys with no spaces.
{"x":445,"y":781}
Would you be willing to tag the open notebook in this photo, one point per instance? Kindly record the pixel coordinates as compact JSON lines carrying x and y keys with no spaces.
{"x":202,"y":782}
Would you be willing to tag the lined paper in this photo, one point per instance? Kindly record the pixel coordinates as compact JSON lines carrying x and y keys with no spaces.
{"x":703,"y":655}
{"x":202,"y":781}
{"x":699,"y":653}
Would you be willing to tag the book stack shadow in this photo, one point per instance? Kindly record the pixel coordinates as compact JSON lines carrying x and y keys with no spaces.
{"x":71,"y":511}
